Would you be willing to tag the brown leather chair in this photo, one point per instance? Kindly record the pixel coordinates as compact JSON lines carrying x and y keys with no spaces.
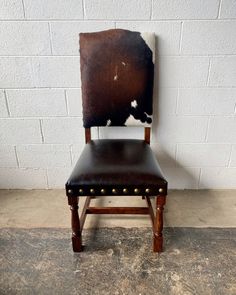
{"x":117,"y":70}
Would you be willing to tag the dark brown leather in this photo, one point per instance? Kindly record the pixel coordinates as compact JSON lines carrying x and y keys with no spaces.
{"x":117,"y":78}
{"x":116,"y":164}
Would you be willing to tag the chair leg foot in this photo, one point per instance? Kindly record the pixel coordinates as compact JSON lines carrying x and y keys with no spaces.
{"x":75,"y":224}
{"x":158,"y":225}
{"x":157,"y":244}
{"x":76,"y":243}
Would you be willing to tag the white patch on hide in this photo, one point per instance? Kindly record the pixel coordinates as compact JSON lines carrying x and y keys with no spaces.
{"x":131,"y":121}
{"x":149,"y":39}
{"x":134,"y":103}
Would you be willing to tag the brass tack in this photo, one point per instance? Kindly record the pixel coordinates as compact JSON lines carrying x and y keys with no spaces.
{"x":125,"y":191}
{"x":81,"y":191}
{"x":114,"y":191}
{"x":70,"y":191}
{"x":160,"y":190}
{"x":136,"y":190}
{"x":92,"y":190}
{"x":102,"y":191}
{"x":147,"y":190}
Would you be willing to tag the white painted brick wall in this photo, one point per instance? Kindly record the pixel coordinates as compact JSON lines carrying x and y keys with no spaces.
{"x":223,"y":71}
{"x":43,"y":156}
{"x":53,"y":9}
{"x":36,"y":102}
{"x":185,"y":9}
{"x":194,"y":131}
{"x":65,"y":40}
{"x":24,"y":38}
{"x":117,"y":9}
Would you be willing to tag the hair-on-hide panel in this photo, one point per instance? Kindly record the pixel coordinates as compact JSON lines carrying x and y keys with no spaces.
{"x":117,"y":71}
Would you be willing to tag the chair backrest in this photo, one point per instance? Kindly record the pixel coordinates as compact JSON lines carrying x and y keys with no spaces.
{"x":117,"y":72}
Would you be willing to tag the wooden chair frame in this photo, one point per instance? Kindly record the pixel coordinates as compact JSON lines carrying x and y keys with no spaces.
{"x":77,"y":222}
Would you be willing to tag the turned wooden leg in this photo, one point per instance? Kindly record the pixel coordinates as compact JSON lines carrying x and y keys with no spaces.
{"x":158,"y":225}
{"x":75,"y":224}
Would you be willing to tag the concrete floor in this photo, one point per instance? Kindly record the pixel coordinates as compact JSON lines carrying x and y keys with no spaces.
{"x":48,"y":208}
{"x":199,"y":246}
{"x":118,"y":261}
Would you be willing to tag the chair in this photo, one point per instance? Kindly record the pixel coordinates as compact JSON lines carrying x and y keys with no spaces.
{"x":117,"y":71}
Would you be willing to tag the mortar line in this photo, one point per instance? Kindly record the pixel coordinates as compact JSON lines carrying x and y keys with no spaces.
{"x":176,"y":150}
{"x":207,"y":129}
{"x":84,"y":10}
{"x":47,"y":182}
{"x":70,"y":149}
{"x":177,"y":102}
{"x":23,"y":5}
{"x":199,"y":178}
{"x":208,"y":72}
{"x":17,"y":159}
{"x":6,"y":102}
{"x":50,"y":37}
{"x":151,"y":14}
{"x":230,"y":156}
{"x":181,"y":37}
{"x":41,"y":130}
{"x":66,"y":101}
{"x":219,"y":9}
{"x":118,"y":20}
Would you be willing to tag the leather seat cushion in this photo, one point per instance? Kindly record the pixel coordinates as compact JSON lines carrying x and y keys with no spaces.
{"x":118,"y":164}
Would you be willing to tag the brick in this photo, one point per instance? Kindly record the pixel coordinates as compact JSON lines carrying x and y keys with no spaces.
{"x":121,"y":132}
{"x":56,"y":71}
{"x":167,"y":34}
{"x":203,"y":155}
{"x":43,"y":156}
{"x":16,"y":72}
{"x":57,"y":177}
{"x":228,"y":9}
{"x":165,"y":153}
{"x":185,"y":9}
{"x":181,"y":178}
{"x":13,"y":131}
{"x":207,"y":37}
{"x":117,"y":9}
{"x":219,"y":178}
{"x":65,"y":35}
{"x":74,"y":102}
{"x":11,"y":9}
{"x":165,"y":105}
{"x":15,"y":178}
{"x":182,"y":129}
{"x":63,"y":130}
{"x":223,"y":71}
{"x":178,"y":71}
{"x":3,"y":106}
{"x":233,"y":157}
{"x":53,"y":9}
{"x":222,"y":130}
{"x":24,"y":38}
{"x":76,"y":150}
{"x":7,"y":156}
{"x":36,"y":102}
{"x":206,"y":101}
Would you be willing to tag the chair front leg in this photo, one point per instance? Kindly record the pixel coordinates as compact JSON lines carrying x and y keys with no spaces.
{"x":158,"y":225}
{"x":75,"y":224}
